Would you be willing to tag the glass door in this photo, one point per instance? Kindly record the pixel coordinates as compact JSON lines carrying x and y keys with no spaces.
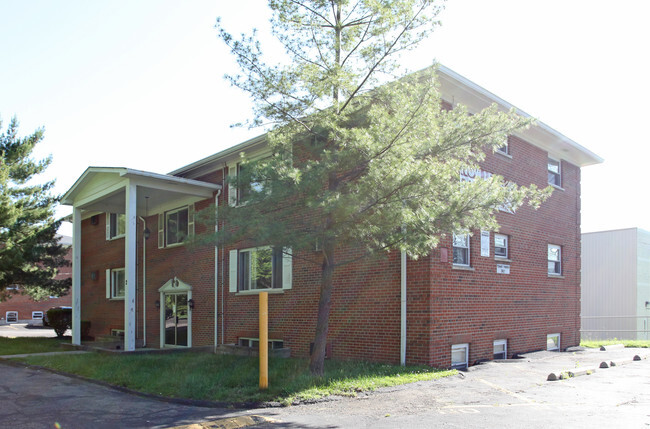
{"x":176,"y":319}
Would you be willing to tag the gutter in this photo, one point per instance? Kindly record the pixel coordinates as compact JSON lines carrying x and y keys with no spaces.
{"x":216,"y":272}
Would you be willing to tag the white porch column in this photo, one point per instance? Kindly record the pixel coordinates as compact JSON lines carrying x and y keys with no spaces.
{"x":130,"y":266}
{"x":76,"y":276}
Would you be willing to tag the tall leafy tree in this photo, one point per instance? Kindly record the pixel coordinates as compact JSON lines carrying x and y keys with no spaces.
{"x":363,"y":155}
{"x":30,"y":254}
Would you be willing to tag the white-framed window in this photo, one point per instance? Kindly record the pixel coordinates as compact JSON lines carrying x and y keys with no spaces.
{"x":13,"y":287}
{"x":461,"y":249}
{"x":115,"y":283}
{"x":11,"y":316}
{"x":459,"y":356}
{"x":246,"y":185}
{"x":505,"y":149}
{"x":175,"y":226}
{"x":260,"y":268}
{"x":500,"y":349}
{"x":253,"y":343}
{"x":501,"y":246}
{"x":554,"y":172}
{"x":115,"y":225}
{"x":554,"y":259}
{"x":553,"y":342}
{"x":37,"y":315}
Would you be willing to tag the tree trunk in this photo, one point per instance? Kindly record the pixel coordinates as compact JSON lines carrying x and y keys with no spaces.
{"x":317,"y":363}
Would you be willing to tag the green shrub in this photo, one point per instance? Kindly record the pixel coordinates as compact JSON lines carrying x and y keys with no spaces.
{"x":60,"y":319}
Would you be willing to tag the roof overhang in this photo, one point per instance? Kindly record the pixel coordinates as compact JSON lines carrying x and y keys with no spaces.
{"x":102,"y":189}
{"x":458,"y":90}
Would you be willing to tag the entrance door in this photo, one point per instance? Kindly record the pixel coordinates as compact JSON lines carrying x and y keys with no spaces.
{"x":176,"y":319}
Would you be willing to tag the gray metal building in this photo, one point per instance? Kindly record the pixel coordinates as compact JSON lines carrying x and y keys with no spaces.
{"x":615,"y":298}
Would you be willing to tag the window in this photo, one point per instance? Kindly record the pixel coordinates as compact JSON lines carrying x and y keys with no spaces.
{"x":260,"y":268}
{"x":37,"y":315}
{"x":461,"y":249}
{"x":13,"y":287}
{"x":253,"y":343}
{"x":459,"y":356}
{"x":500,"y":349}
{"x":501,"y":246}
{"x":554,"y":173}
{"x":554,"y":260}
{"x":504,"y":149}
{"x":115,"y":225}
{"x":174,"y":226}
{"x":553,"y":342}
{"x":12,"y":316}
{"x":115,"y":283}
{"x":246,"y":183}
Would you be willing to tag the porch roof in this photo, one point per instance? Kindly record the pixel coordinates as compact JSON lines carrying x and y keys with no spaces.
{"x":101,"y":189}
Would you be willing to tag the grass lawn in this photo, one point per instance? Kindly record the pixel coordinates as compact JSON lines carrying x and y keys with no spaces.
{"x":234,"y":378}
{"x":627,"y":343}
{"x":15,"y":346}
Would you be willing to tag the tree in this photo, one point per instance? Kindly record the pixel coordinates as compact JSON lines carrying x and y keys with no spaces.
{"x":362,"y":156}
{"x":30,"y":253}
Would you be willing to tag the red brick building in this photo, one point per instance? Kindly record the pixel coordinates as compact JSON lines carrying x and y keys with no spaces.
{"x":22,"y":308}
{"x":489,"y":295}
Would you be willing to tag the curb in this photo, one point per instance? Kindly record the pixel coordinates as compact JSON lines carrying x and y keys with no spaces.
{"x":563,"y":375}
{"x":612,"y":347}
{"x":228,"y":423}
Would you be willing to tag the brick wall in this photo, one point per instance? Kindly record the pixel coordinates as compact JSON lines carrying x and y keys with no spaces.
{"x":445,"y":305}
{"x":25,"y":305}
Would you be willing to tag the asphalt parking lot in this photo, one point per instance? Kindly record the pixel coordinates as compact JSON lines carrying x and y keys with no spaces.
{"x":27,"y":330}
{"x":507,"y":394}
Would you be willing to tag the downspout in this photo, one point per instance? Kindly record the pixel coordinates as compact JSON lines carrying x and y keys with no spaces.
{"x":216,"y":272}
{"x":223,"y":286}
{"x":144,"y":282}
{"x":403,"y":310}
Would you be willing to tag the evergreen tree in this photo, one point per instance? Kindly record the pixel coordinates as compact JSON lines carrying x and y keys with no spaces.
{"x":363,"y":155}
{"x":30,"y":253}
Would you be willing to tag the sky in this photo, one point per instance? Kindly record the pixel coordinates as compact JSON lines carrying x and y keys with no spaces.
{"x":140,"y":84}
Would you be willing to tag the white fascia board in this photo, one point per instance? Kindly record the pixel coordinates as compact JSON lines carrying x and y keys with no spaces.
{"x":221,"y":157}
{"x":171,"y":183}
{"x":143,"y":178}
{"x":463,"y":91}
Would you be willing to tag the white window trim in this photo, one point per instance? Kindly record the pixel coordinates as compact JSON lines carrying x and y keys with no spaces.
{"x":455,"y":347}
{"x":559,"y":339}
{"x":36,"y":313}
{"x":559,"y":261}
{"x":109,"y":235}
{"x":507,"y":246}
{"x":499,"y":343}
{"x":468,"y":247}
{"x":272,"y":342}
{"x":110,"y":287}
{"x":287,"y":272}
{"x":163,"y":225}
{"x":11,"y":313}
{"x":559,"y":173}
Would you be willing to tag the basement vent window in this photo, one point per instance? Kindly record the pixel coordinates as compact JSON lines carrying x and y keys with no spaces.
{"x":553,"y":342}
{"x":500,"y":349}
{"x":253,"y":343}
{"x":459,"y":356}
{"x":37,"y":315}
{"x":117,"y":333}
{"x":12,"y":316}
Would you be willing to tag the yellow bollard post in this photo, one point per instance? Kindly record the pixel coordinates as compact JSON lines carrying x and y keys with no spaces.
{"x":264,"y":340}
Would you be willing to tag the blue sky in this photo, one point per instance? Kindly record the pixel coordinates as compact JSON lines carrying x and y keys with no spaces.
{"x":140,"y":83}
